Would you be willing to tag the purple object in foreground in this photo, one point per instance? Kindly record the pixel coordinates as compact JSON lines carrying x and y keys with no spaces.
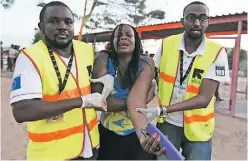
{"x":171,"y":152}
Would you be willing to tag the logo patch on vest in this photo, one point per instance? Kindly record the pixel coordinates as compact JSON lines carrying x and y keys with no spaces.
{"x":198,"y":73}
{"x":16,"y":84}
{"x":197,"y":76}
{"x":220,"y":70}
{"x":89,"y":68}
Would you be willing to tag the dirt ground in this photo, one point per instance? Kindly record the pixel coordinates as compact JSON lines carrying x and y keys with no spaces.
{"x":229,"y":141}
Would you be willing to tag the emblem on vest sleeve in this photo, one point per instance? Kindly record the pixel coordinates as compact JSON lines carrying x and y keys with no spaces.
{"x":220,"y":70}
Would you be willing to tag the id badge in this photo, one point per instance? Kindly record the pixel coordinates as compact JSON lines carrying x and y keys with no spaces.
{"x":179,"y":98}
{"x":220,"y":70}
{"x":55,"y":119}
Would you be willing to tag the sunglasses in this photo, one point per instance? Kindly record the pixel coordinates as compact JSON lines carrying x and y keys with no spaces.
{"x":193,"y":17}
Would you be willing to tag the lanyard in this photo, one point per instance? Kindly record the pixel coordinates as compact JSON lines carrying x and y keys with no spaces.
{"x":182,"y":78}
{"x":61,"y":84}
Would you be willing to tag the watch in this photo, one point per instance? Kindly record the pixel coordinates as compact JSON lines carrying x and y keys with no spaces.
{"x":163,"y":112}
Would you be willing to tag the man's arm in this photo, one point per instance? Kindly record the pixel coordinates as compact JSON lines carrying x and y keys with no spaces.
{"x":207,"y":90}
{"x":138,"y":94}
{"x":100,"y":69}
{"x":208,"y":86}
{"x":26,"y":94}
{"x":33,"y":110}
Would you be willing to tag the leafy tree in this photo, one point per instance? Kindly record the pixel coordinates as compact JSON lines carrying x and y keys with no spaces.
{"x":7,"y":3}
{"x":37,"y":36}
{"x":140,"y":15}
{"x":112,"y":12}
{"x":106,"y":14}
{"x":242,"y":59}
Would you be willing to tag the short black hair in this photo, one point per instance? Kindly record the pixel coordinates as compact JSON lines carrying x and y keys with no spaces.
{"x":195,"y":2}
{"x":53,"y":3}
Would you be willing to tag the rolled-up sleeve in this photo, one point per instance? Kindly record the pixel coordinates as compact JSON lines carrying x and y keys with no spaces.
{"x":26,"y":82}
{"x":219,"y":70}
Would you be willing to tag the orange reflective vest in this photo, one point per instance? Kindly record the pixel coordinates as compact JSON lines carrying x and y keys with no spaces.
{"x":198,"y":123}
{"x":63,"y":137}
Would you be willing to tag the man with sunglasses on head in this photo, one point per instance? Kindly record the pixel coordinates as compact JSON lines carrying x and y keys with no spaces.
{"x":191,"y":67}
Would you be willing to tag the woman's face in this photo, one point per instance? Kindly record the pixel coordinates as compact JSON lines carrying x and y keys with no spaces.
{"x":124,"y":41}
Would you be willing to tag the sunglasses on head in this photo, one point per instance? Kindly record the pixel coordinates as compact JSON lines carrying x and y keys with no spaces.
{"x":193,"y":17}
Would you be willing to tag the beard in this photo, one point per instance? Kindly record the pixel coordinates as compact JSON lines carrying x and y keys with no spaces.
{"x":194,"y":36}
{"x":53,"y":43}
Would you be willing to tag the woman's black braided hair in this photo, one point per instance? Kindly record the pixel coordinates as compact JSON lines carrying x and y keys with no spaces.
{"x":133,"y":66}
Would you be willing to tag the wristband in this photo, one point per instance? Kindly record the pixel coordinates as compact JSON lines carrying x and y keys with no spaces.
{"x":163,"y":112}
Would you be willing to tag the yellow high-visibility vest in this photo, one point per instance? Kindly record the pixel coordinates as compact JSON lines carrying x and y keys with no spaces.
{"x":63,"y":138}
{"x":199,"y":123}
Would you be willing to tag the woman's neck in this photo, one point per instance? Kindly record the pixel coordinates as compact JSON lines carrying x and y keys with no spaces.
{"x":124,"y":60}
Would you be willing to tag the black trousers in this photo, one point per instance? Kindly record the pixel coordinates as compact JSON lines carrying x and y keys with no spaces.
{"x":116,"y":147}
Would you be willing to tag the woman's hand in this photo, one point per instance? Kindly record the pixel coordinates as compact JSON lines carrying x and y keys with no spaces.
{"x":151,"y":144}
